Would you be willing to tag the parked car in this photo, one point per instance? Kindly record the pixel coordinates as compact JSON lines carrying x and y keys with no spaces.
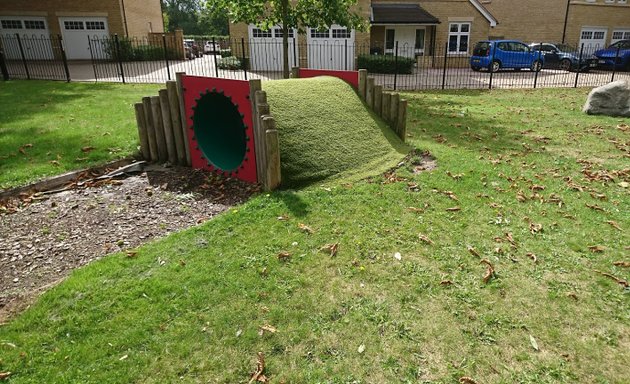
{"x":194,"y":48}
{"x":503,"y":54}
{"x":210,"y":47}
{"x":609,"y":58}
{"x":564,"y":57}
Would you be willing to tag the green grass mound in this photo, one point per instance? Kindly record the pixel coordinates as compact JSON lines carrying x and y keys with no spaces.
{"x":326,"y":130}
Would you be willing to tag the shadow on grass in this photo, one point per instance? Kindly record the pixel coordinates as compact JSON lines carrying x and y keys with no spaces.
{"x":294,"y":203}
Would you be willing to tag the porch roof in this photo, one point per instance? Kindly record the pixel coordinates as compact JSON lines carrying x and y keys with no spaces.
{"x":401,"y":13}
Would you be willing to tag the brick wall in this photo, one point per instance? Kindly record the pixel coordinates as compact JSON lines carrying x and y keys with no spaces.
{"x":143,"y":16}
{"x":611,"y":17}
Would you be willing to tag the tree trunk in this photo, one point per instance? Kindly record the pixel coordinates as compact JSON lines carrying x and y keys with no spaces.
{"x":285,"y":39}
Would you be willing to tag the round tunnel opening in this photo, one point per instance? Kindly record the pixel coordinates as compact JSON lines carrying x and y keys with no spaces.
{"x":220,"y":131}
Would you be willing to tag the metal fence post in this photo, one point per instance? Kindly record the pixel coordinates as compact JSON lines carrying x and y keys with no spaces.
{"x":396,"y":66}
{"x":243,"y":58}
{"x":493,"y":47}
{"x":444,"y":69}
{"x":119,"y":57}
{"x":615,"y":64}
{"x":295,"y":53}
{"x":92,"y":57}
{"x":540,"y":62}
{"x":64,"y":58}
{"x":3,"y":64}
{"x":168,"y":69}
{"x":28,"y":74}
{"x":577,"y":72}
{"x":345,"y":55}
{"x":214,"y":55}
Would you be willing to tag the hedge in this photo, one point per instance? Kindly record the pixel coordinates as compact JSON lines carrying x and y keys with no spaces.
{"x":386,"y":64}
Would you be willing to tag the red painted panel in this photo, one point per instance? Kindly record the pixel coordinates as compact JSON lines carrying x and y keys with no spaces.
{"x":238,"y":90}
{"x":350,"y":77}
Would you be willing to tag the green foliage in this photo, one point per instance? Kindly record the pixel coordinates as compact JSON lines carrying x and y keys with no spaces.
{"x":230,"y":62}
{"x":59,"y":119}
{"x":226,"y":52}
{"x":194,"y":18}
{"x":130,"y":50}
{"x":386,"y":64}
{"x":326,"y":130}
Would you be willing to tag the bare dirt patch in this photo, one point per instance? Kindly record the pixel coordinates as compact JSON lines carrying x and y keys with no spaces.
{"x":45,"y":240}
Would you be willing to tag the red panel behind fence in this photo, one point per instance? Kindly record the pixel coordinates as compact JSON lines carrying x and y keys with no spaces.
{"x":350,"y":77}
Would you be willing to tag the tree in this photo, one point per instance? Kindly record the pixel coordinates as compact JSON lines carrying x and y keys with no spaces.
{"x":194,"y":17}
{"x":289,"y":14}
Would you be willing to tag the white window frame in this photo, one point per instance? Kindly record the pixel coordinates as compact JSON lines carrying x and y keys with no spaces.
{"x":625,"y":35}
{"x":459,"y":34}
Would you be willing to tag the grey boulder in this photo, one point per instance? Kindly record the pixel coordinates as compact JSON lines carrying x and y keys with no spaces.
{"x":612,"y":99}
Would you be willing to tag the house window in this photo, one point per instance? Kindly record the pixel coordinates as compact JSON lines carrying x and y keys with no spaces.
{"x":458,"y":37}
{"x":257,"y":32}
{"x":620,"y":35}
{"x":420,"y":39}
{"x":11,"y":24}
{"x":315,"y":34}
{"x":95,"y":25}
{"x":599,"y":35}
{"x":34,"y":24}
{"x":278,"y":32}
{"x":73,"y":25}
{"x":340,"y":33}
{"x":389,"y":38}
{"x":587,"y":35}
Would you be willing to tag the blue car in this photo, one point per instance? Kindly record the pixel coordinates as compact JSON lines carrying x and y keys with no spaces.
{"x":564,"y":57}
{"x":505,"y":54}
{"x":616,"y":56}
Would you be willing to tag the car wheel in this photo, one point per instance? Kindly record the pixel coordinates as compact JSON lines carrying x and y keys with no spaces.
{"x":494,"y":66}
{"x":536,"y":66}
{"x":565,"y":64}
{"x":476,"y":69}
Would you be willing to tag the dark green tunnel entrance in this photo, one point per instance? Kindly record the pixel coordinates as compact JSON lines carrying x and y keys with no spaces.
{"x":220,"y":131}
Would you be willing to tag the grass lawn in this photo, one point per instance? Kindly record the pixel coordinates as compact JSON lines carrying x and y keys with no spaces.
{"x":524,"y":181}
{"x":44,"y":126}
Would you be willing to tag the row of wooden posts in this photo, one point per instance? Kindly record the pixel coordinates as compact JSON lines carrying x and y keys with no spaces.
{"x":162,"y":128}
{"x":388,"y":105}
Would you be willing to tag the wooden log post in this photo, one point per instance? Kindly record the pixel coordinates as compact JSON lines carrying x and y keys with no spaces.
{"x":176,"y":122}
{"x":262,"y":109}
{"x":148,"y":118}
{"x":272,"y":177}
{"x":387,"y":97}
{"x":362,"y":83}
{"x":393,"y":111}
{"x":255,"y":85}
{"x":156,"y":115}
{"x":401,"y":126}
{"x":182,"y":113}
{"x":378,"y":99}
{"x":142,"y":131}
{"x":169,"y":137}
{"x":369,"y":92}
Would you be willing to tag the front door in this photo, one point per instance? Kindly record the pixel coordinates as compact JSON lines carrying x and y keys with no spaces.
{"x":410,"y":41}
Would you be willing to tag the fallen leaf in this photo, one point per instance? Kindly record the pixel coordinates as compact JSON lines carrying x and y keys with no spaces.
{"x":453,"y":209}
{"x":467,"y":380}
{"x":595,"y":207}
{"x":283,"y":218}
{"x":54,"y":162}
{"x":596,"y":248}
{"x":619,"y":281}
{"x":330,"y":248}
{"x":572,"y":295}
{"x":451,"y":195}
{"x":446,"y":282}
{"x":131,"y":253}
{"x":416,"y":210}
{"x":614,"y":224}
{"x":123,"y":358}
{"x":361,"y":348}
{"x":509,"y":238}
{"x":533,"y":257}
{"x":87,"y":149}
{"x":4,"y":375}
{"x":535,"y":228}
{"x":258,"y":375}
{"x":473,"y":251}
{"x":625,"y":264}
{"x":397,"y":256}
{"x":305,"y":228}
{"x":425,"y":239}
{"x":533,"y":342}
{"x":489,"y":271}
{"x":266,"y":328}
{"x":284,"y":256}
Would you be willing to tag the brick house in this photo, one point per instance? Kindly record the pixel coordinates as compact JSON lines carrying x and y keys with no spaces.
{"x":431,"y":27}
{"x":75,"y":21}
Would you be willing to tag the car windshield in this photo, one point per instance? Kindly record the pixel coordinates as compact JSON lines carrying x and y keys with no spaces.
{"x":623,"y":44}
{"x":565,"y":48}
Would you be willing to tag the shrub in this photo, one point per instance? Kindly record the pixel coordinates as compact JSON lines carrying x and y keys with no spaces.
{"x":230,"y":62}
{"x":128,"y":51}
{"x":386,"y":64}
{"x":225,"y":52}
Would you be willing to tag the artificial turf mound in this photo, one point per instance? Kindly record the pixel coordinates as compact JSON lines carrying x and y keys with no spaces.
{"x":326,"y":130}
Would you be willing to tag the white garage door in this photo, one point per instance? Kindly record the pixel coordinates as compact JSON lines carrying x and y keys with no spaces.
{"x":34,"y":37}
{"x":593,"y":39}
{"x":84,"y":34}
{"x":331,"y":49}
{"x":620,"y":34}
{"x":265,"y":48}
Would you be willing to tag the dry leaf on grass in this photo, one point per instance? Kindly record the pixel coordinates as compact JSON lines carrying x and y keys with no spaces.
{"x":283,"y":218}
{"x":619,"y":281}
{"x":451,"y":195}
{"x":258,"y":375}
{"x":425,"y":239}
{"x":509,"y":238}
{"x":596,"y":248}
{"x":535,"y":228}
{"x":284,"y":256}
{"x":446,"y":282}
{"x":467,"y":380}
{"x":4,"y":375}
{"x":624,"y":264}
{"x":489,"y":270}
{"x":331,"y":248}
{"x":533,"y":257}
{"x":614,"y":225}
{"x":54,"y":162}
{"x":533,"y":342}
{"x":416,"y":210}
{"x":131,"y":253}
{"x":87,"y":149}
{"x":266,"y":328}
{"x":454,"y":209}
{"x":456,"y":176}
{"x":473,"y":251}
{"x":595,"y":207}
{"x":305,"y":228}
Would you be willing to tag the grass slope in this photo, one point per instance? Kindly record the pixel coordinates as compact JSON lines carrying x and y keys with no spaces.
{"x":52,"y":121}
{"x":189,"y":308}
{"x":326,"y":130}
